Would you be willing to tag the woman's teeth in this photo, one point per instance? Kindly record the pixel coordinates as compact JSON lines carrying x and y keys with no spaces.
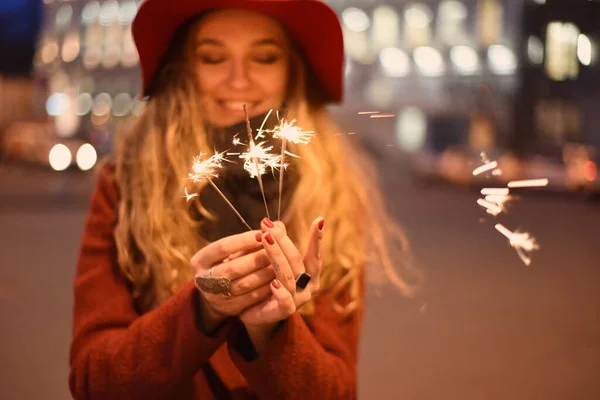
{"x":236,"y":105}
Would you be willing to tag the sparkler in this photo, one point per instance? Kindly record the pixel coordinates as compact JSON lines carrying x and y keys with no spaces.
{"x":495,"y":203}
{"x":523,"y":243}
{"x":287,"y":131}
{"x":204,"y":169}
{"x":254,"y":153}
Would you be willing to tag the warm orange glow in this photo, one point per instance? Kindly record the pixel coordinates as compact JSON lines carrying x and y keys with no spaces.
{"x":590,"y":171}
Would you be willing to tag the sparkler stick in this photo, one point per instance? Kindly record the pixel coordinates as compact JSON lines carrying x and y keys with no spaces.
{"x":287,"y":131}
{"x":228,"y":202}
{"x":255,"y":159}
{"x":528,"y":183}
{"x":203,"y":170}
{"x":283,"y":144}
{"x":521,"y":242}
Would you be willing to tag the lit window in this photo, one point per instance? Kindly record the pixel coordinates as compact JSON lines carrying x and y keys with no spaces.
{"x":417,"y":25}
{"x":489,"y":22}
{"x":502,"y":60}
{"x":394,"y":61}
{"x":465,"y":59}
{"x":63,"y":17}
{"x":355,"y":19}
{"x":561,"y":51}
{"x":429,"y":61}
{"x":411,"y":129}
{"x":585,"y":50}
{"x":90,"y":13}
{"x":535,"y":50}
{"x":386,"y":28}
{"x":451,"y":19}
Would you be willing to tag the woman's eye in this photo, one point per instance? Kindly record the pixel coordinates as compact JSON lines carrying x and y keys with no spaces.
{"x":267,"y":59}
{"x":210,"y":59}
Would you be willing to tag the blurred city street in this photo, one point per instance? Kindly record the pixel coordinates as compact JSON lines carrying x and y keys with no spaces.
{"x":485,"y":326}
{"x":432,"y":90}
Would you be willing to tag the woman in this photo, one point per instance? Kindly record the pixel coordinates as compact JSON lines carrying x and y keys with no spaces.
{"x":287,"y":324}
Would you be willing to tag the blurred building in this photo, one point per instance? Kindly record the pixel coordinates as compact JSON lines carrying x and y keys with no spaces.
{"x":422,"y":57}
{"x":88,"y":59}
{"x":429,"y":62}
{"x":19,"y":27}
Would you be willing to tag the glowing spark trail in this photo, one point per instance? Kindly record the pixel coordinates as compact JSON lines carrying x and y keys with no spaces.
{"x":486,"y":167}
{"x":523,"y":243}
{"x":528,"y":183}
{"x":204,"y":169}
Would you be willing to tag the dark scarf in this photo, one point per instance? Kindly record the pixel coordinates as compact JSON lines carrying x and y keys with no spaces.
{"x":241,"y":190}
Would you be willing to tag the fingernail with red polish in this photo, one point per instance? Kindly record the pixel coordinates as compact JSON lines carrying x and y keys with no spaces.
{"x":258,"y":237}
{"x":275,"y":283}
{"x":321,"y":224}
{"x":269,"y":239}
{"x":269,"y":223}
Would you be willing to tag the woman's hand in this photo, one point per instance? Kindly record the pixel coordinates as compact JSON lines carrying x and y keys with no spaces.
{"x":288,"y":264}
{"x":241,"y":259}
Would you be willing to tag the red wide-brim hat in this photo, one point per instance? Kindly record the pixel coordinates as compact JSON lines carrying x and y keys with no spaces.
{"x":312,"y":23}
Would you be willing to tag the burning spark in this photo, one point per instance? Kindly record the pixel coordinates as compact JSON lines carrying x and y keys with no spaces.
{"x":367,"y":112}
{"x":382,"y":116}
{"x":523,"y":243}
{"x":528,"y":183}
{"x":189,"y":196}
{"x":486,"y":167}
{"x":204,"y":169}
{"x":258,"y":158}
{"x":292,"y":133}
{"x":495,"y":191}
{"x":260,"y":131}
{"x":499,"y":200}
{"x":490,"y":207}
{"x":236,"y":141}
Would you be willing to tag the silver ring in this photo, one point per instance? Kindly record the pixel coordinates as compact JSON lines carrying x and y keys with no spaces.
{"x":213,"y":284}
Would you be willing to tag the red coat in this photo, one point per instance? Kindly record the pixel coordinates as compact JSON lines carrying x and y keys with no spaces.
{"x":116,"y":353}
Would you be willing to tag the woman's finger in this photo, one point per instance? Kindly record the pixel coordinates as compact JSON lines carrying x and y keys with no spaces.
{"x":251,"y":281}
{"x":285,"y":299}
{"x":243,"y":265}
{"x":281,"y":266}
{"x":291,"y":252}
{"x":217,"y":251}
{"x":235,"y":304}
{"x":279,"y":306}
{"x":313,"y":259}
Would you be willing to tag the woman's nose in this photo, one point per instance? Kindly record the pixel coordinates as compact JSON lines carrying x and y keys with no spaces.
{"x":239,"y":75}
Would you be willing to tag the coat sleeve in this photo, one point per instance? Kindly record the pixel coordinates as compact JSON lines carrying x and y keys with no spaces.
{"x":115,"y":352}
{"x":307,"y":359}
